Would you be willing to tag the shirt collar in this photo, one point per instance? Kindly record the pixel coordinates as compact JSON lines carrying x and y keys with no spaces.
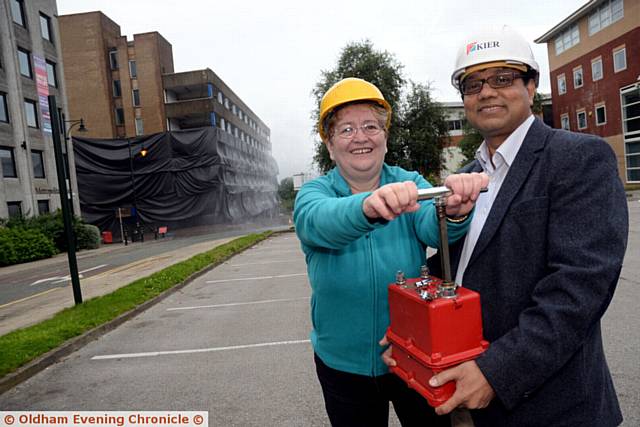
{"x":508,"y":149}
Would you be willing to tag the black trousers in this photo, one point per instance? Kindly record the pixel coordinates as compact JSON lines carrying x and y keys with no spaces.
{"x":355,"y":400}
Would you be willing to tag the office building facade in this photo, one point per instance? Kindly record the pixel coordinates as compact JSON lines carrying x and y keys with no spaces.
{"x":594,"y":62}
{"x":30,"y":69}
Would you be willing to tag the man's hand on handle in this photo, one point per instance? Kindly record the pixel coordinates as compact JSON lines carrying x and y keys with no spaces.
{"x":466,"y":189}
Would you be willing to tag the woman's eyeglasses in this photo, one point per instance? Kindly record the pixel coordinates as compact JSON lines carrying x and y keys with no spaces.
{"x":348,"y":131}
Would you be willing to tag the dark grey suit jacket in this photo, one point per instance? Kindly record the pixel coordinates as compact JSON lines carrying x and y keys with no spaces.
{"x":546,"y":265}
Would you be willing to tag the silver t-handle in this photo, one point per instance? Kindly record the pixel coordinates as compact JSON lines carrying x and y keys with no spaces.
{"x":433,"y":192}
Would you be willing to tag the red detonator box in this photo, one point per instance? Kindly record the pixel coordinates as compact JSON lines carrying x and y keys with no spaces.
{"x":434,"y":326}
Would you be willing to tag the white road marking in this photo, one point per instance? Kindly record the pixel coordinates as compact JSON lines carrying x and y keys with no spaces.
{"x":237,"y":303}
{"x":257,"y":278}
{"x":198,"y":350}
{"x":60,"y":279}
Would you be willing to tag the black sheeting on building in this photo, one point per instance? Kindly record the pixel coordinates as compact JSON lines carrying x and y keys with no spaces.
{"x":197,"y":176}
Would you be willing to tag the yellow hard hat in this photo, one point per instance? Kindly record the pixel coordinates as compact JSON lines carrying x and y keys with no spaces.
{"x":349,"y":90}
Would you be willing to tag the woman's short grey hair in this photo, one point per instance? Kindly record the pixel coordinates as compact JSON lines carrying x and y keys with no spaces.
{"x":332,"y":117}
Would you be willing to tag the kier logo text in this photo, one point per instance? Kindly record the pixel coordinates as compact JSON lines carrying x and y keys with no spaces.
{"x":475,"y":46}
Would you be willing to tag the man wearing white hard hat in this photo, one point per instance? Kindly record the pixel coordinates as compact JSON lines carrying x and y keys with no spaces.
{"x":544,"y":250}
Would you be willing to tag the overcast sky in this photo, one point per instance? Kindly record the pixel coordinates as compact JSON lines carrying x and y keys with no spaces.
{"x":271,"y":53}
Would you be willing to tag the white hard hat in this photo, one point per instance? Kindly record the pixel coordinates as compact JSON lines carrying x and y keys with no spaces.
{"x":493,"y":48}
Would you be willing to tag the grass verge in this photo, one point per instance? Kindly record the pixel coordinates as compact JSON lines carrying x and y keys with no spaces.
{"x":23,"y":345}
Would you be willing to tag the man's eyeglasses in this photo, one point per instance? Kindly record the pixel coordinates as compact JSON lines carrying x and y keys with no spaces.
{"x":348,"y":131}
{"x":497,"y":81}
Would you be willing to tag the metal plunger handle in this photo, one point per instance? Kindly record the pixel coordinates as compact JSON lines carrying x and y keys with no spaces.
{"x":441,"y":207}
{"x":433,"y":192}
{"x":440,"y":195}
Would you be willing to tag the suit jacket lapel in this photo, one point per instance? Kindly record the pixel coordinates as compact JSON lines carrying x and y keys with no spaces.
{"x":525,"y":159}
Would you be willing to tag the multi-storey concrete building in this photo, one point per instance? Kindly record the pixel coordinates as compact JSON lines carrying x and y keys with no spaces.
{"x":115,"y":85}
{"x":30,"y":68}
{"x":200,"y":98}
{"x":594,"y":61}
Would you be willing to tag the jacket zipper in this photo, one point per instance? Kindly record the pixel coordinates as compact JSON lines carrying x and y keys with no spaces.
{"x":374,"y":303}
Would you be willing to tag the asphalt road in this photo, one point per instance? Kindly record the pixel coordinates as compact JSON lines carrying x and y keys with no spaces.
{"x":234,"y":343}
{"x":18,"y":282}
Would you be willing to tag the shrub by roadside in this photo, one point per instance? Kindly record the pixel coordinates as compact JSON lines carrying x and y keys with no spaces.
{"x":48,"y":226}
{"x":87,"y":236}
{"x":23,"y":245}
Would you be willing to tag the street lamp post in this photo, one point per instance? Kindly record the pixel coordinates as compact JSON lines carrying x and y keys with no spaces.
{"x":143,"y":153}
{"x":64,"y":202}
{"x":67,"y":136}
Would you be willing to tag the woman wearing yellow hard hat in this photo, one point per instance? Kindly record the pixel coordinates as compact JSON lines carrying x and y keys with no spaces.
{"x":358,"y":225}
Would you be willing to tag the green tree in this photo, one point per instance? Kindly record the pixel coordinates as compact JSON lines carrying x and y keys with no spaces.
{"x":286,"y":193}
{"x":424,"y":132}
{"x":469,"y":143}
{"x":537,"y":103}
{"x":360,"y":59}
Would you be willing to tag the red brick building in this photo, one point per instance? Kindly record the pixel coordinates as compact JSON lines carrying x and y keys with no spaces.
{"x":594,"y":62}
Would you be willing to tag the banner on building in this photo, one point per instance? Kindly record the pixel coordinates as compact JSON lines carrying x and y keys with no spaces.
{"x":42,"y":84}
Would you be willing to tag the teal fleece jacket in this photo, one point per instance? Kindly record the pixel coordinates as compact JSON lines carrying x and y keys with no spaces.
{"x":351,"y":261}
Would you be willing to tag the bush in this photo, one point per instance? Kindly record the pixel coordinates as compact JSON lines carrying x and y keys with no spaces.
{"x":7,"y":250}
{"x":50,"y":224}
{"x":87,"y":236}
{"x":23,"y":245}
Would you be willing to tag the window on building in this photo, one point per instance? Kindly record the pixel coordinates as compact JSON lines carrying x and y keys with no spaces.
{"x":562,"y":84}
{"x":117,"y":89}
{"x":233,"y":109}
{"x":222,"y":124}
{"x":226,"y":103}
{"x":567,"y":39}
{"x":31,"y":113}
{"x":578,"y":80}
{"x":630,"y":101}
{"x":52,"y":77}
{"x":113,"y":58}
{"x":620,"y":59}
{"x":228,"y":127}
{"x":17,"y":12}
{"x":596,"y":69}
{"x":4,"y":113}
{"x":8,"y":162}
{"x":139,"y":126}
{"x":235,"y":132}
{"x":45,"y":27}
{"x":133,"y":69}
{"x":220,"y":98}
{"x":454,"y":124}
{"x":601,"y":115}
{"x":136,"y":98}
{"x":15,"y":209}
{"x":119,"y":116}
{"x":609,"y":12}
{"x":581,"y":118}
{"x":24,"y":60}
{"x":43,"y":207}
{"x":38,"y":163}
